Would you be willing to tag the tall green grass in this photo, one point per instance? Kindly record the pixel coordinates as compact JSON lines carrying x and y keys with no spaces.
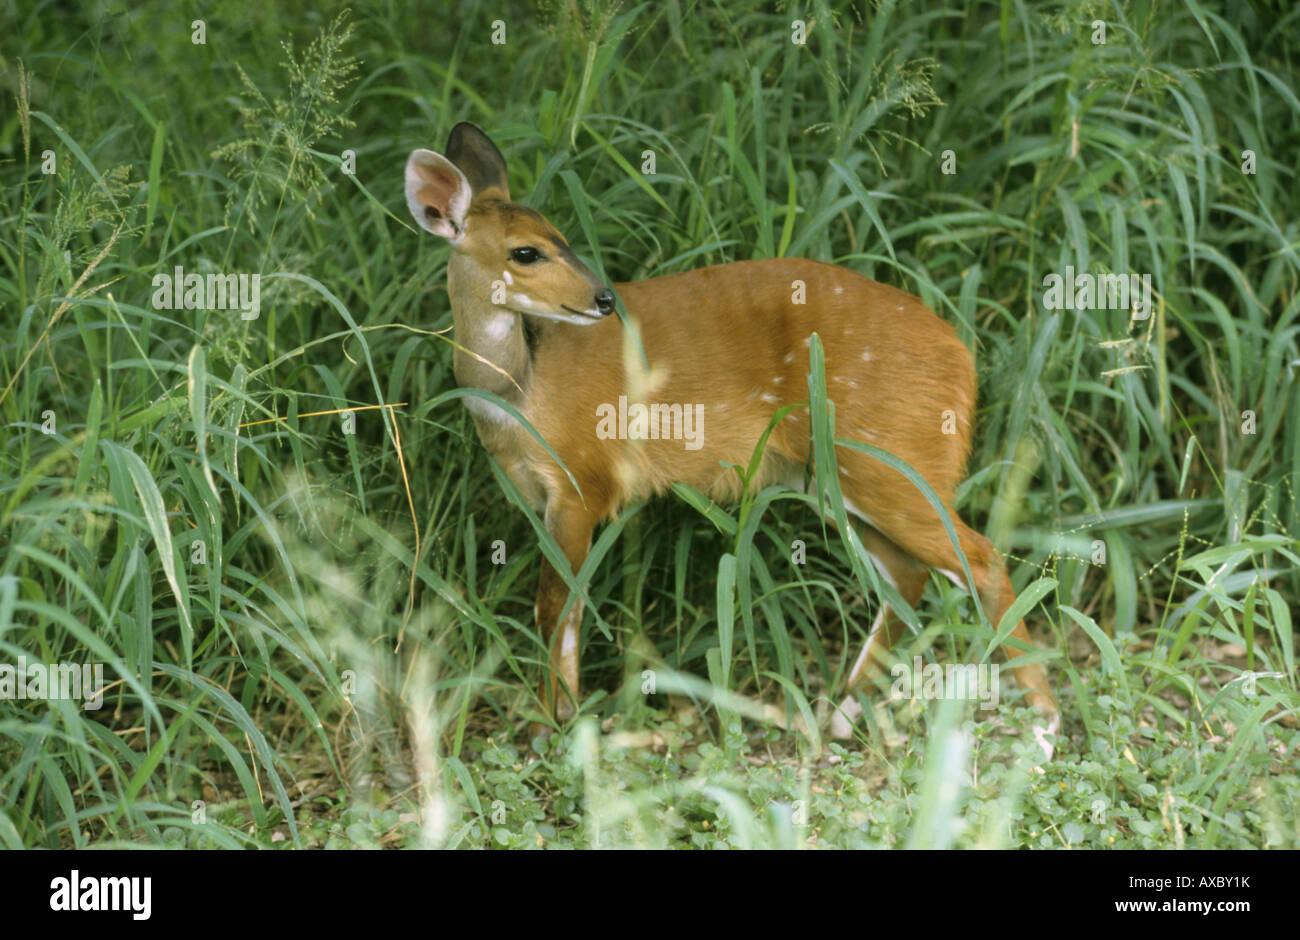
{"x":306,"y":637}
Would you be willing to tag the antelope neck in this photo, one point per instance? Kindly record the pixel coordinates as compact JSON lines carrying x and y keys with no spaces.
{"x":486,"y":330}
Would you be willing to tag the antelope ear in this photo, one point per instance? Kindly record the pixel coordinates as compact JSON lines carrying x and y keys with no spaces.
{"x":437,"y":194}
{"x":480,"y":160}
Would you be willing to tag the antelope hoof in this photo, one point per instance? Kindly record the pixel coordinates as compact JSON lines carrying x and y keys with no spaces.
{"x":1042,"y":731}
{"x":842,"y":720}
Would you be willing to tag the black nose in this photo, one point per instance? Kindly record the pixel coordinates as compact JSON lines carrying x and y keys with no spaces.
{"x":605,"y":302}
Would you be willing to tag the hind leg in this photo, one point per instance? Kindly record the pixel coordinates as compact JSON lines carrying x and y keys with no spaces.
{"x":932,"y":547}
{"x":996,"y":595}
{"x":907,"y":521}
{"x":908,"y":578}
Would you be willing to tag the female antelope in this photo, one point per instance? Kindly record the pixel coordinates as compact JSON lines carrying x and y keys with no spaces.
{"x":729,"y":343}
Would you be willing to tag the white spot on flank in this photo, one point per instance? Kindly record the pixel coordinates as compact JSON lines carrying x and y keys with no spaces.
{"x":789,"y":357}
{"x":852,"y":384}
{"x":866,"y":355}
{"x":771,"y":399}
{"x":839,"y":289}
{"x":900,"y":306}
{"x":807,"y":340}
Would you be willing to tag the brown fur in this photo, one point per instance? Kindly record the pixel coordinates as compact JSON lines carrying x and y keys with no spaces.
{"x":729,"y":338}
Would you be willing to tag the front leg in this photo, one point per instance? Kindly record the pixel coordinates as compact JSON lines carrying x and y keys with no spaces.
{"x":570,"y":524}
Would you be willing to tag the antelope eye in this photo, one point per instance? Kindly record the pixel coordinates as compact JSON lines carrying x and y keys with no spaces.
{"x":525,"y":255}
